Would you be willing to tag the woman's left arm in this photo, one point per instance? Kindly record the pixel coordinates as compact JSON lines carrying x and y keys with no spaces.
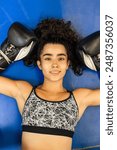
{"x":88,"y":97}
{"x":92,"y":97}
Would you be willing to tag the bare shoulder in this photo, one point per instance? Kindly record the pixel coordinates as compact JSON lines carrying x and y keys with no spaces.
{"x":81,"y":92}
{"x":24,"y":87}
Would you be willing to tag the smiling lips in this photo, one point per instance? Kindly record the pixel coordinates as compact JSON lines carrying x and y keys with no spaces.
{"x":55,"y":72}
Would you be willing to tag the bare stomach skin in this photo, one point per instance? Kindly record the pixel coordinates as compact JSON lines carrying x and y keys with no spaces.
{"x":33,"y":141}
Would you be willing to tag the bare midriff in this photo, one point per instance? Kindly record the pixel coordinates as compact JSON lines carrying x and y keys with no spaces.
{"x":36,"y":141}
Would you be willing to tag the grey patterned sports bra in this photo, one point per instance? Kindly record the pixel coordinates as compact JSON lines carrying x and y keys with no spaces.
{"x":48,"y":117}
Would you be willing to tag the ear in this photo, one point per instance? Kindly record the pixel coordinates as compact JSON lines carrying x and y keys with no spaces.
{"x":39,"y":64}
{"x":68,"y":64}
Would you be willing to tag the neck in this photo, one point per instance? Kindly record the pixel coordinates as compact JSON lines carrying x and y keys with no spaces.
{"x":53,"y":87}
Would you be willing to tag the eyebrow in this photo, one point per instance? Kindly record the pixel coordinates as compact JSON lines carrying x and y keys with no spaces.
{"x":61,"y":54}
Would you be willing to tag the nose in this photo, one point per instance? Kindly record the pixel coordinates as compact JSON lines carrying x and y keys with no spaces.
{"x":55,"y":64}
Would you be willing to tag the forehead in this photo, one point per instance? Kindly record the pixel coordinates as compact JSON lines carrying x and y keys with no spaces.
{"x":54,"y":49}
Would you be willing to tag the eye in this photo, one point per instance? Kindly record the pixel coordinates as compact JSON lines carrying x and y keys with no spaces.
{"x":61,"y":58}
{"x":47,"y":58}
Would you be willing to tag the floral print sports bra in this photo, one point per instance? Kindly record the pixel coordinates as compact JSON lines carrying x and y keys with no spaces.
{"x":48,"y":117}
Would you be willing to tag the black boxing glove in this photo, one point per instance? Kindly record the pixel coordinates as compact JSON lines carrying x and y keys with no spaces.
{"x":18,"y":45}
{"x":89,"y":49}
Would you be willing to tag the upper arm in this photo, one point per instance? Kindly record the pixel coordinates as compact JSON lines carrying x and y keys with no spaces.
{"x":14,"y":88}
{"x":92,"y":97}
{"x":25,"y":88}
{"x":8,"y":87}
{"x":88,"y":97}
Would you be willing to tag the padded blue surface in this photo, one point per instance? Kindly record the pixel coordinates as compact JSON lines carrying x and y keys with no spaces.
{"x":84,"y":15}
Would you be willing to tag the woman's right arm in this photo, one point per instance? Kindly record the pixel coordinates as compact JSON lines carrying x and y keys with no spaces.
{"x":18,"y":45}
{"x":17,"y":89}
{"x":8,"y":87}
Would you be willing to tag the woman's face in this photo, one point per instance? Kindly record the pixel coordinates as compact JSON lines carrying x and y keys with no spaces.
{"x":53,"y":61}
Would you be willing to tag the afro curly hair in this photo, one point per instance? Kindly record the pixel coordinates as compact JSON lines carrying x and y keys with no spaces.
{"x":58,"y":31}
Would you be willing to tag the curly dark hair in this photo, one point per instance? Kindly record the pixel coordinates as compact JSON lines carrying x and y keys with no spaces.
{"x":58,"y":31}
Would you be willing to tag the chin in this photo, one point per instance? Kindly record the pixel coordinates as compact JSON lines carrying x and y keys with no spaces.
{"x":55,"y":78}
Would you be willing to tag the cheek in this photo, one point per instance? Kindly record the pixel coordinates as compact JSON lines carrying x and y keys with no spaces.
{"x":45,"y":67}
{"x":64,"y":66}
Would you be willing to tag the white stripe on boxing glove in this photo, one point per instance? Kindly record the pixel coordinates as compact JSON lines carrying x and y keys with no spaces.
{"x":88,"y":61}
